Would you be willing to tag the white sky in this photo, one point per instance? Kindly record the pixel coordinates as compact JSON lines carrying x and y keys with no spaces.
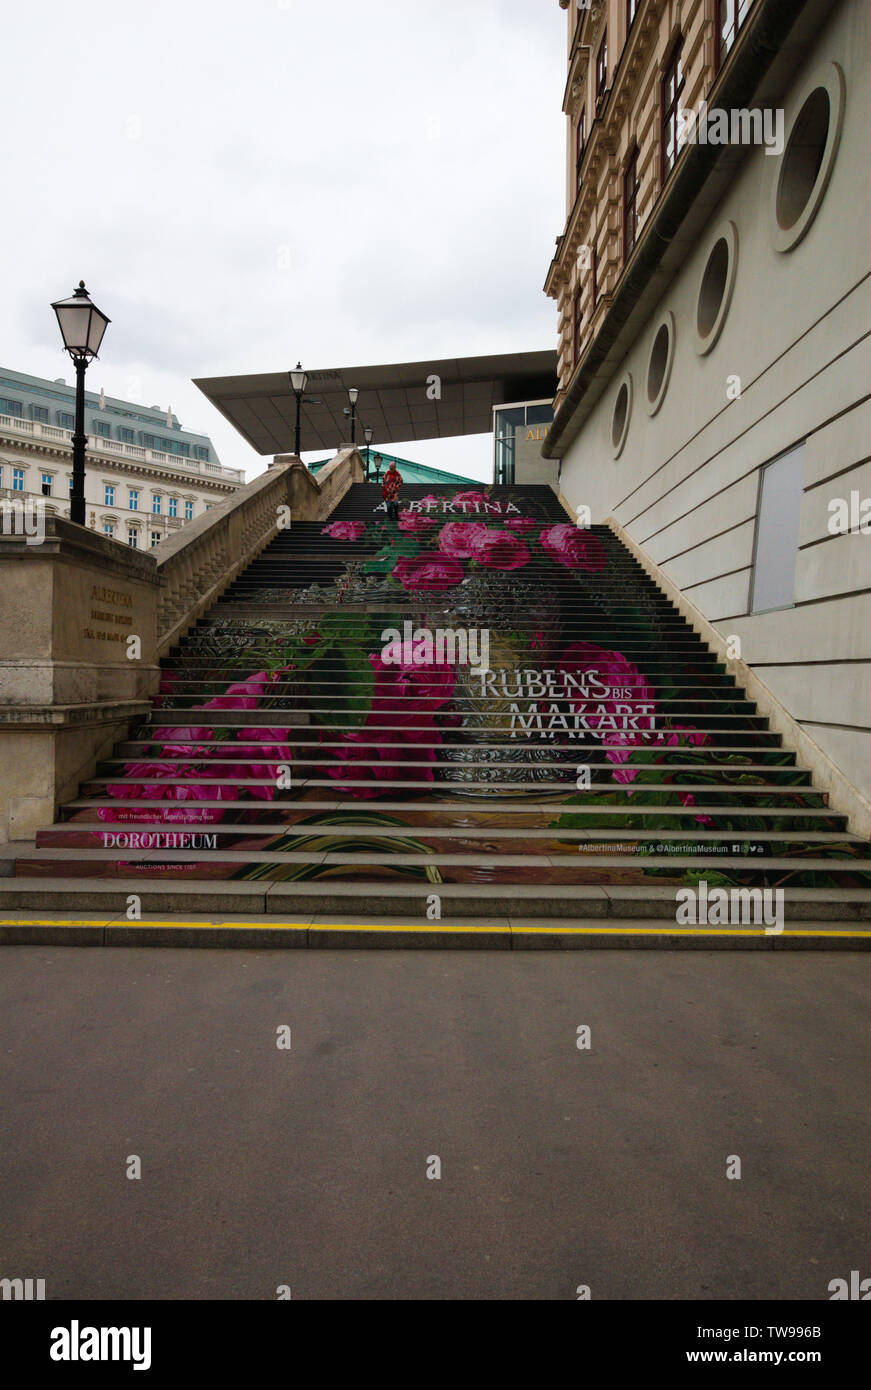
{"x":244,"y":184}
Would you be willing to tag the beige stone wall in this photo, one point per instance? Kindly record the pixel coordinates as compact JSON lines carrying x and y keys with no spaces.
{"x":69,"y":683}
{"x":629,"y":116}
{"x":796,"y":336}
{"x":68,"y":687}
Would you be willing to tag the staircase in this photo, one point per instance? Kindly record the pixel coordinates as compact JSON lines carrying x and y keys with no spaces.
{"x":310,"y":753}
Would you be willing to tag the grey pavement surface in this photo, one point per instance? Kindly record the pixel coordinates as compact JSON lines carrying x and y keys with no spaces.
{"x":559,"y":1167}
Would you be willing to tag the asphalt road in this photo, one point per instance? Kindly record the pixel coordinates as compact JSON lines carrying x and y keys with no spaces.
{"x":307,"y":1167}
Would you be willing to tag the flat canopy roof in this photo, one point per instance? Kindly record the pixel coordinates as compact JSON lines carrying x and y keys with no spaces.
{"x":394,"y":399}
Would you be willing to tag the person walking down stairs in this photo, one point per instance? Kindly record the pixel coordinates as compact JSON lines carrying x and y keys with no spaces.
{"x":390,"y":491}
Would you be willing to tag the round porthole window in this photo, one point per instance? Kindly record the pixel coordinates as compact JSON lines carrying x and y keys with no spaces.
{"x":620,"y":415}
{"x":808,"y":157}
{"x":659,"y":363}
{"x":715,"y":290}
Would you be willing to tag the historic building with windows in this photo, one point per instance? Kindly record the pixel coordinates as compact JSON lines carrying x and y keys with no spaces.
{"x":713,"y":360}
{"x":144,"y":475}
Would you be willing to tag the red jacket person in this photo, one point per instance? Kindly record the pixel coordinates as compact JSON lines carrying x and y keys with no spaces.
{"x":390,"y":490}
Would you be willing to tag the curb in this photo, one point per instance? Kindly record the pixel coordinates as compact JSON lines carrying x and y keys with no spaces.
{"x":405,"y":936}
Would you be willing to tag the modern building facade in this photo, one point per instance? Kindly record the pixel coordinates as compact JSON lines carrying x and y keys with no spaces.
{"x":519,"y":430}
{"x":712,"y":282}
{"x":144,"y":475}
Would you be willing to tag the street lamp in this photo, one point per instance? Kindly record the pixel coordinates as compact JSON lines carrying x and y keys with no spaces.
{"x":298,"y":381}
{"x":82,"y":326}
{"x":368,"y":435}
{"x":353,"y":393}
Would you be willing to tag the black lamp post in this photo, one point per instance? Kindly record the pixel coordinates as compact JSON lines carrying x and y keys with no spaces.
{"x":353,"y":393}
{"x":82,"y":326}
{"x":298,"y":381}
{"x":368,"y":435}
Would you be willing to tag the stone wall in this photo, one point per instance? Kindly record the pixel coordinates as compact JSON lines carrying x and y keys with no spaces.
{"x":71,"y":679}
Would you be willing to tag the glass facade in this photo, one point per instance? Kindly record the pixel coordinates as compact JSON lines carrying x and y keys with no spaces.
{"x":518,"y":431}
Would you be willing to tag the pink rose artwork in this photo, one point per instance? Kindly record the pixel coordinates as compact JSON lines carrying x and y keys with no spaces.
{"x":601,"y":672}
{"x":574,"y":547}
{"x":499,"y":550}
{"x":431,"y":572}
{"x":457,"y":538}
{"x":411,"y":523}
{"x":469,"y":499}
{"x":196,"y":742}
{"x":344,"y":530}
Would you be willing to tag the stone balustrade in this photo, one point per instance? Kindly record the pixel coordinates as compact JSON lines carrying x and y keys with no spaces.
{"x":72,"y":680}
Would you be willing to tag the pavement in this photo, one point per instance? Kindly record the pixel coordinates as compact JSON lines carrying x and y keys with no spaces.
{"x":307,"y":1166}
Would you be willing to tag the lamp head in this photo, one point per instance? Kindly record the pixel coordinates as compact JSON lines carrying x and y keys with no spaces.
{"x":82,"y":324}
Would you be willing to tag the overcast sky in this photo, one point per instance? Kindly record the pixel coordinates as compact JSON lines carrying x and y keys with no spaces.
{"x":244,"y":184}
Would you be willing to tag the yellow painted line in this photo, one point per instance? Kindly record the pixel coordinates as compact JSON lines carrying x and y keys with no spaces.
{"x":687,"y":931}
{"x":132,"y":922}
{"x":563,"y":930}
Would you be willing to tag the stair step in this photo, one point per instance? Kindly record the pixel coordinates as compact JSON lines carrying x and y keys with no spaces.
{"x":568,"y":902}
{"x":490,"y":839}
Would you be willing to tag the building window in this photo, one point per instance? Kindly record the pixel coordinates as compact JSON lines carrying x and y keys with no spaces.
{"x":18,"y":480}
{"x":40,"y":413}
{"x":630,"y":204}
{"x":125,"y":435}
{"x":65,"y":420}
{"x":133,"y":499}
{"x":208,"y":506}
{"x":155,"y":505}
{"x":201,"y":451}
{"x":715,"y":289}
{"x":672,"y":88}
{"x":580,"y":142}
{"x":102,"y":428}
{"x":166,"y":446}
{"x":621,"y":415}
{"x":188,"y":511}
{"x":46,"y":480}
{"x":108,"y":495}
{"x":173,"y":506}
{"x":631,"y":12}
{"x":807,"y":160}
{"x":155,"y":539}
{"x":730,"y":16}
{"x":577,"y":321}
{"x":133,"y":536}
{"x":109,"y":528}
{"x":594,"y":270}
{"x":778,"y":514}
{"x":659,"y":363}
{"x":602,"y":67}
{"x":14,"y":408}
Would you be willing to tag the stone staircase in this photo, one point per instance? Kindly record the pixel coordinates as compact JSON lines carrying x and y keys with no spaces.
{"x":311,"y":753}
